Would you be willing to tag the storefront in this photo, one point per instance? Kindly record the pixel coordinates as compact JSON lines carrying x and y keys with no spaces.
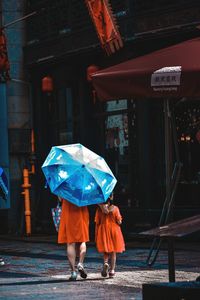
{"x":128,"y":133}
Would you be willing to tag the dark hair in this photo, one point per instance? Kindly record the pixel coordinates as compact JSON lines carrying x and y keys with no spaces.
{"x":109,"y":199}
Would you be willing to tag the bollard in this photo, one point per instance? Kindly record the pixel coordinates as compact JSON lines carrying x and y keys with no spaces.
{"x":26,"y":186}
{"x":32,"y":157}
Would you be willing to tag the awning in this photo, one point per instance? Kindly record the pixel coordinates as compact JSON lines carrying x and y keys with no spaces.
{"x":170,"y":72}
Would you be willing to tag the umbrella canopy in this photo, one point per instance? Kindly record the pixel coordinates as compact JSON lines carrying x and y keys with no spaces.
{"x":3,"y":184}
{"x":78,"y":175}
{"x":171,"y":72}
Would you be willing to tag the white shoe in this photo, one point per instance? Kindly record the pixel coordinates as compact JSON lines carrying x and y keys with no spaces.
{"x":81,"y":270}
{"x":2,"y":263}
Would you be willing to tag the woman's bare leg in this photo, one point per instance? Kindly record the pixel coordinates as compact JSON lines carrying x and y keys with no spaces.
{"x":82,"y":252}
{"x":105,"y":257}
{"x":80,"y":267}
{"x":71,"y":254}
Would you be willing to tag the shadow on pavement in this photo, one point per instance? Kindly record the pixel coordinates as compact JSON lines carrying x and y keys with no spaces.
{"x":49,"y":281}
{"x":15,"y":275}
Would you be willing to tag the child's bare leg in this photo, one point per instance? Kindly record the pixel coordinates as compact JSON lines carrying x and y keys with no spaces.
{"x":105,"y":257}
{"x":104,"y":271}
{"x":112,"y":262}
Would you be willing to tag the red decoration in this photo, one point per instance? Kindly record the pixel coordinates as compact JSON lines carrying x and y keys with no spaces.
{"x":106,"y":25}
{"x":4,"y":63}
{"x":47,"y":84}
{"x":90,"y":71}
{"x":198,"y":136}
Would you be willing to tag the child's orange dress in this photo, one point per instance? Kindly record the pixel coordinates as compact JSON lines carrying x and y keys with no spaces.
{"x":108,"y":234}
{"x":74,"y":224}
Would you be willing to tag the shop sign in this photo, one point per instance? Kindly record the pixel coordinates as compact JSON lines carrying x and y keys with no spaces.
{"x":166,"y":79}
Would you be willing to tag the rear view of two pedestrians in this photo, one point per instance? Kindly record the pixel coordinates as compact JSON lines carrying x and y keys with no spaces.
{"x":74,"y":231}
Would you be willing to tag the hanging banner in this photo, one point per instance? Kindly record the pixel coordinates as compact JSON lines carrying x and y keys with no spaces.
{"x":4,"y":63}
{"x":105,"y":24}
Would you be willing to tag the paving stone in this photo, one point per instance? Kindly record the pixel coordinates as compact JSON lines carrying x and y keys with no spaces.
{"x":38,"y":269}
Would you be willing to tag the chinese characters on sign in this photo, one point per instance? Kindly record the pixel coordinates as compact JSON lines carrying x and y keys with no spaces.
{"x":166,"y":79}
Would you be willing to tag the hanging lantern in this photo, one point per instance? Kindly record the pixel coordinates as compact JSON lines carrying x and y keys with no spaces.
{"x":198,"y":136}
{"x":90,"y":71}
{"x":47,"y":84}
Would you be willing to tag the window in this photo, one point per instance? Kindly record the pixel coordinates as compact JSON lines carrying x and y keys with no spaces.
{"x":65,"y":128}
{"x":116,"y":139}
{"x":188,"y":126}
{"x":120,"y":148}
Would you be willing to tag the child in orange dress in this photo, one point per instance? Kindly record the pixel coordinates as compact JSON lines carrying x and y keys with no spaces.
{"x":108,"y":235}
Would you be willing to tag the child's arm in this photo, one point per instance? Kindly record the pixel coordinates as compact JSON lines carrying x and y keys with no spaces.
{"x":118,"y":216}
{"x":119,"y":222}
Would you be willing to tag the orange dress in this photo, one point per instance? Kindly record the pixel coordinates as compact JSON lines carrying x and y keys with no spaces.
{"x":74,"y":224}
{"x":108,"y":234}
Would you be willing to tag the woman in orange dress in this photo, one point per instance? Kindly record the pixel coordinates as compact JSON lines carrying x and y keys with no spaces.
{"x":74,"y":231}
{"x":108,"y":236}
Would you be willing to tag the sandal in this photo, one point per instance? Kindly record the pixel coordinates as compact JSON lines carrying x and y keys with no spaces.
{"x":104,"y":272}
{"x":81,"y":270}
{"x":73,"y":276}
{"x":112,"y":274}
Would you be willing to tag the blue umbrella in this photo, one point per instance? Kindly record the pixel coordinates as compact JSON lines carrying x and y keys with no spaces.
{"x":78,"y":175}
{"x":3,"y":184}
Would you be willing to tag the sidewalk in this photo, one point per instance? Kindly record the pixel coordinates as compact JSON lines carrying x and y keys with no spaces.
{"x":36,"y":267}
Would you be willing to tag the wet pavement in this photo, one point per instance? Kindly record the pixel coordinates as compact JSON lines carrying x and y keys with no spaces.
{"x":36,"y":267}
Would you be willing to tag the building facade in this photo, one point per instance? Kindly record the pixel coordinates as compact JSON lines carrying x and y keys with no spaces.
{"x":15,"y":116}
{"x":61,"y":42}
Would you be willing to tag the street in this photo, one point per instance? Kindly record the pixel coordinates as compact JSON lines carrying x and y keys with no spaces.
{"x":36,"y":268}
